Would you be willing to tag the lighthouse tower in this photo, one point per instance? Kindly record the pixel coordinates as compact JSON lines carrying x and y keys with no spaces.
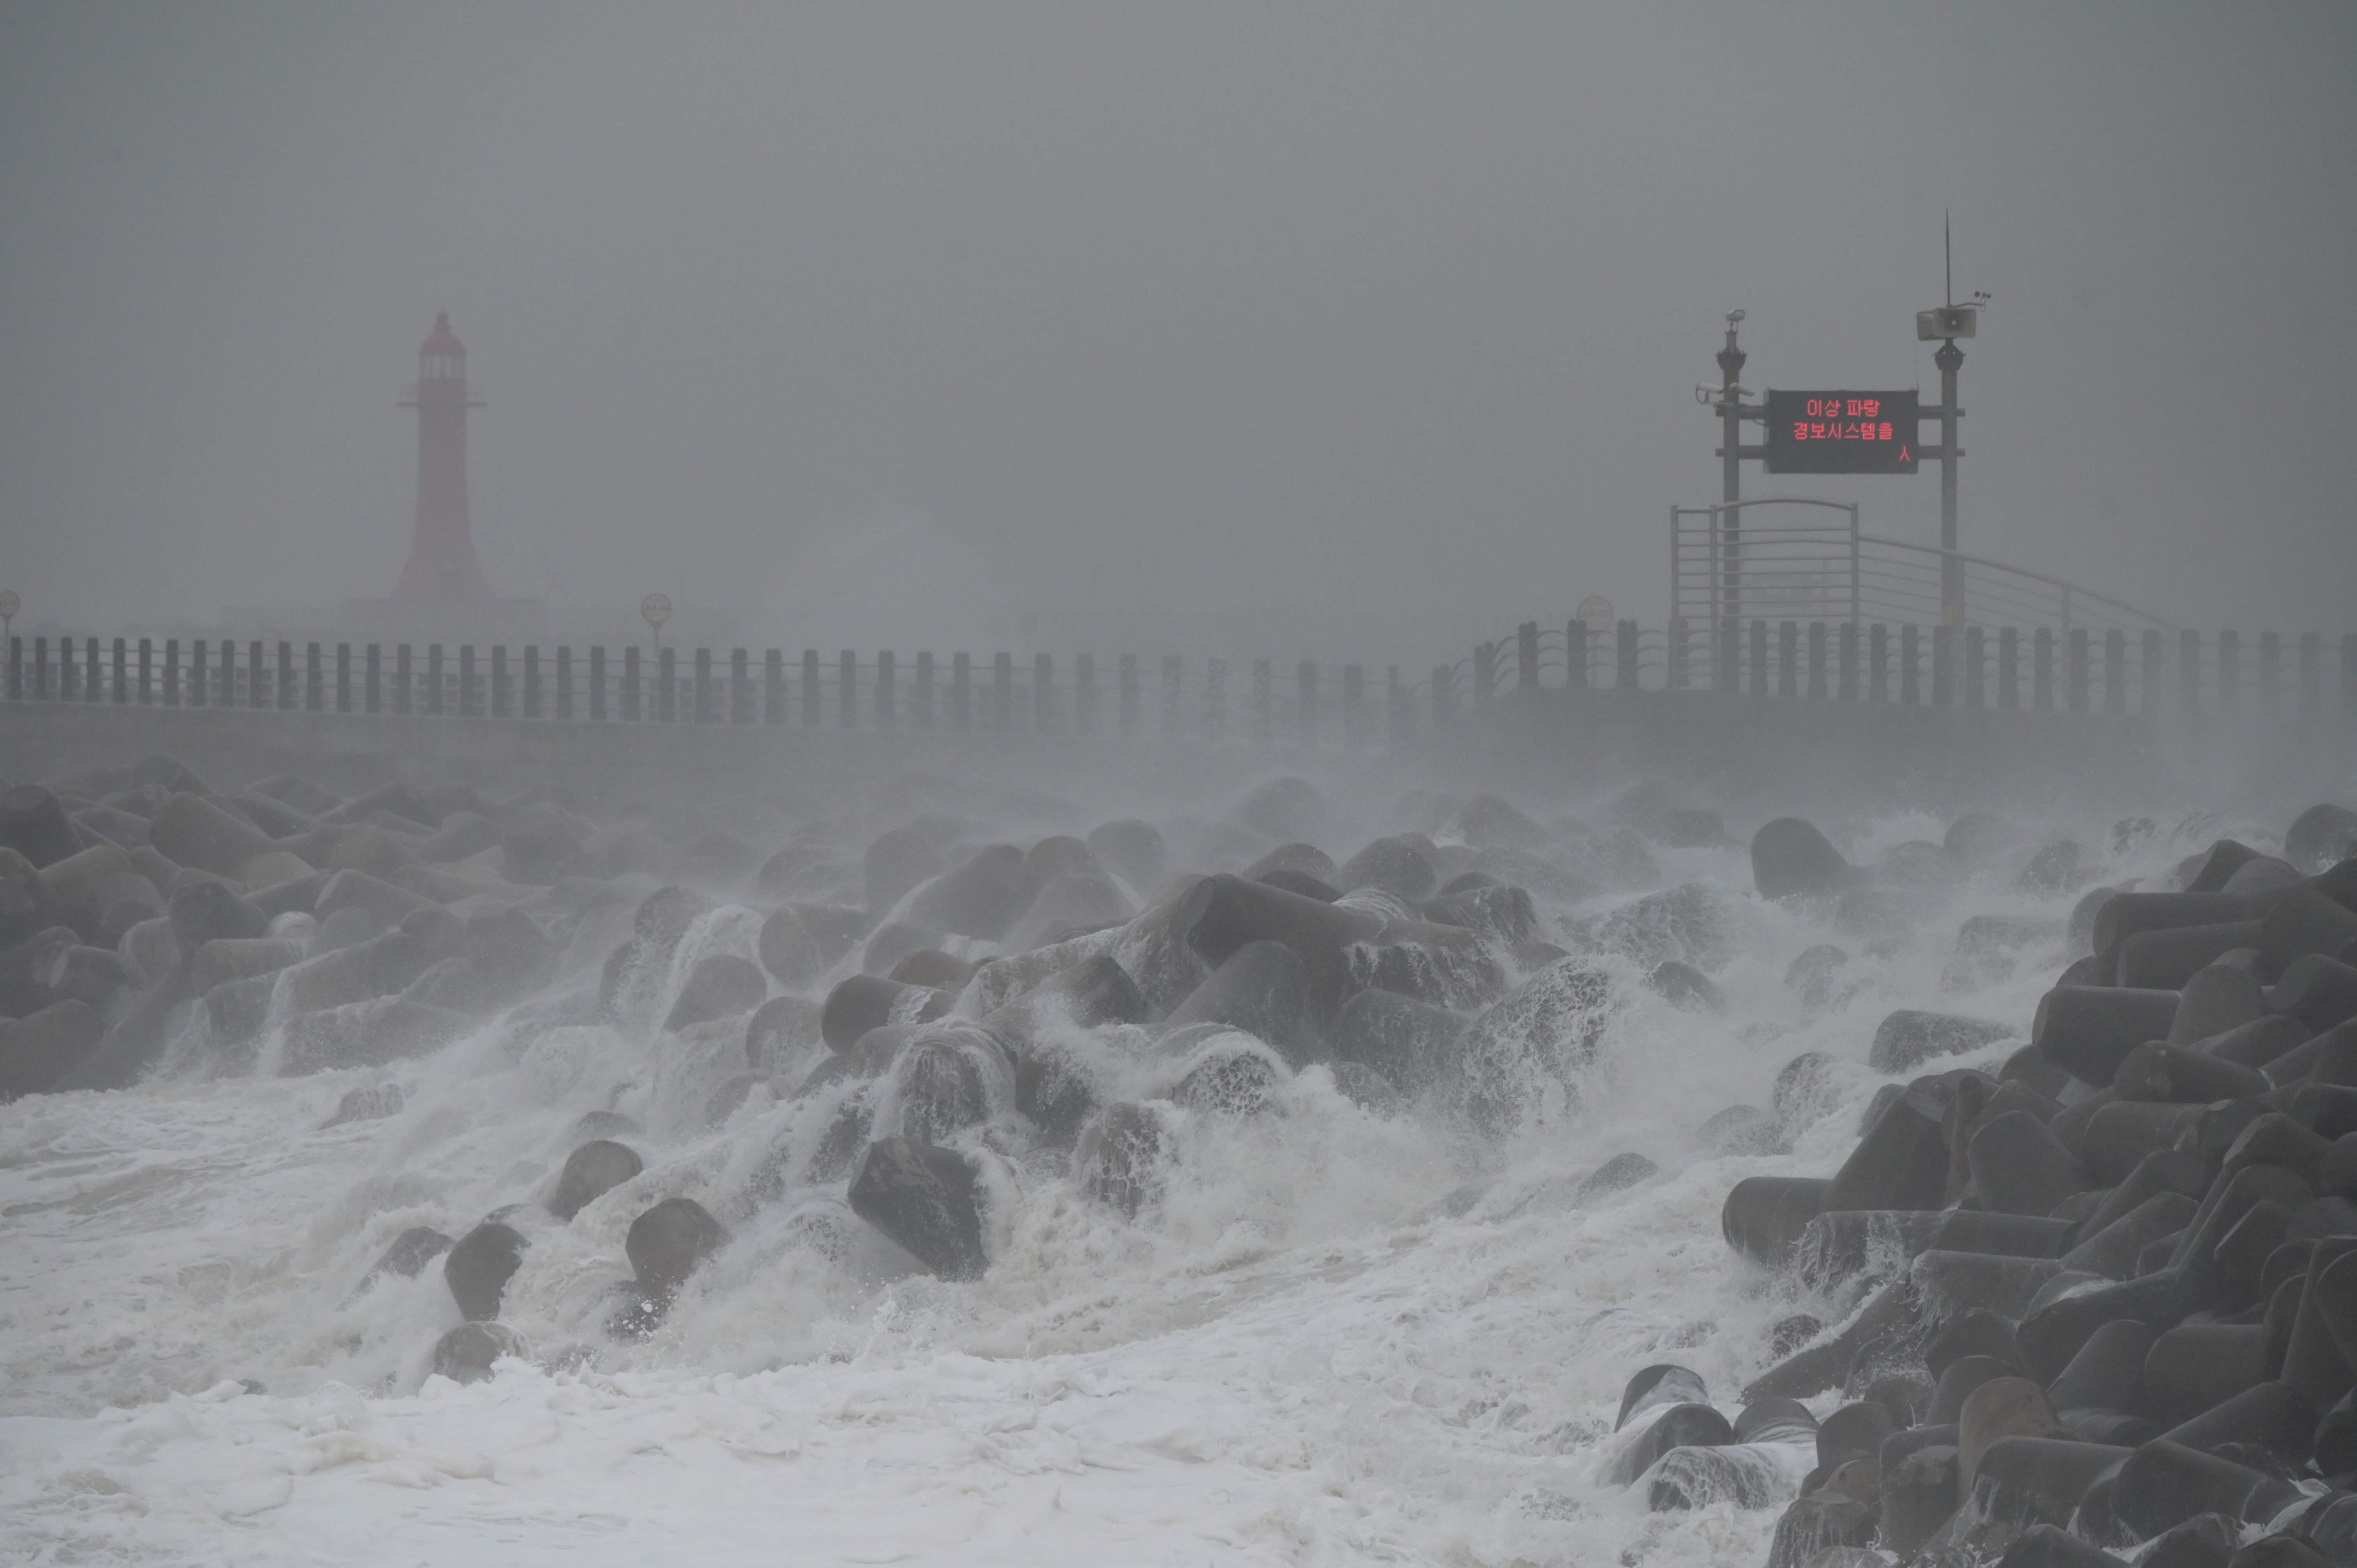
{"x":442,"y":567}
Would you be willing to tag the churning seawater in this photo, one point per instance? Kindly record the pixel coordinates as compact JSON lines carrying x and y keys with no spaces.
{"x":1342,"y":1336}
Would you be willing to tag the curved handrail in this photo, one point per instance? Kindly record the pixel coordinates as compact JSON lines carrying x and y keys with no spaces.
{"x":1850,"y":507}
{"x":2064,"y":583}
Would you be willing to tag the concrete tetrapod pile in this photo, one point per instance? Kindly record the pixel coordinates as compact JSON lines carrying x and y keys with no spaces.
{"x":919,"y":1025}
{"x":2100,"y":1305}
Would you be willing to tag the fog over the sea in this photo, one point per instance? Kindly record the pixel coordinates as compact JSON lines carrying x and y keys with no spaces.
{"x":1346,"y":332}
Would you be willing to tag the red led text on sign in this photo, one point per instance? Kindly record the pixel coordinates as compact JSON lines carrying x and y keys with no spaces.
{"x":1841,"y":432}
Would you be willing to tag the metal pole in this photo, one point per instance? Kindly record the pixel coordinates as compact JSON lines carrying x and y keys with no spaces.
{"x":1950,"y":359}
{"x":1731,"y":471}
{"x":1854,"y":593}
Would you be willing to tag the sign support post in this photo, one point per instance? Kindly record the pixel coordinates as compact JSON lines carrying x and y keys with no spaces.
{"x":1731,"y":482}
{"x":1950,"y":359}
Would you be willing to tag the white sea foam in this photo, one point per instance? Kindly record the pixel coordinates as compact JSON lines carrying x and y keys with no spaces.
{"x":1340,"y":1337}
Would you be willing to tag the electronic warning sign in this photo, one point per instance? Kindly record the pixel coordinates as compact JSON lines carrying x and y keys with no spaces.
{"x":1841,"y":432}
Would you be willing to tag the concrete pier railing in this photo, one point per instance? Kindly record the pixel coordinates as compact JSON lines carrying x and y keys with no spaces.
{"x":1246,"y":700}
{"x":1968,"y":714}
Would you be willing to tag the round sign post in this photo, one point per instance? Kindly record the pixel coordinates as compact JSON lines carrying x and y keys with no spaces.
{"x":9,"y":605}
{"x":656,"y":607}
{"x":1596,"y":610}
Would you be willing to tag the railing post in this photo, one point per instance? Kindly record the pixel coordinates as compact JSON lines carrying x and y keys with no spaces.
{"x":122,"y":671}
{"x":433,"y":678}
{"x":667,"y":685}
{"x":813,"y":705}
{"x":2349,"y":674}
{"x":2116,"y":671}
{"x":1788,"y":659}
{"x":921,"y":702}
{"x":2041,"y":670}
{"x":774,"y":685}
{"x":1944,"y":665}
{"x":2229,"y":670}
{"x":740,"y":687}
{"x":1132,"y":700}
{"x":2076,"y":677}
{"x":1817,"y":661}
{"x":313,"y":695}
{"x":564,"y":709}
{"x":1044,"y":718}
{"x":285,"y":692}
{"x":2148,"y":674}
{"x":1398,"y":715}
{"x":1625,"y":655}
{"x":846,"y":690}
{"x":632,"y":706}
{"x":1759,"y":651}
{"x":1846,"y":683}
{"x":1002,"y":697}
{"x":960,"y":693}
{"x":1084,"y":694}
{"x":501,"y":706}
{"x":1976,"y":667}
{"x":1354,"y":678}
{"x":40,"y":668}
{"x":1724,"y":650}
{"x":1307,"y":726}
{"x":1527,"y":654}
{"x":705,"y":710}
{"x":887,"y":669}
{"x":171,"y":672}
{"x":343,"y":677}
{"x":2008,"y":668}
{"x":2270,"y":670}
{"x":1677,"y":653}
{"x":597,"y":682}
{"x":1215,"y":699}
{"x":197,"y":672}
{"x":371,"y":679}
{"x":533,"y":694}
{"x":1575,"y":653}
{"x":1173,"y":680}
{"x":2311,"y":673}
{"x":147,"y":679}
{"x":1910,"y":680}
{"x":1484,"y":675}
{"x":1879,"y":663}
{"x":65,"y":670}
{"x":2189,"y":671}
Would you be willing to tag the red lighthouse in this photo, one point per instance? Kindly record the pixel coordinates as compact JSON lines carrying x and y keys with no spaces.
{"x":442,"y":565}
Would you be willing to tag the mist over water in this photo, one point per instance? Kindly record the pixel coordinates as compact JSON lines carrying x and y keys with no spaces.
{"x":1234,"y":341}
{"x":1340,"y":1332}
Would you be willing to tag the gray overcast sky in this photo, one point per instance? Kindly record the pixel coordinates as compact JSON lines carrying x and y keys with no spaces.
{"x":1374,"y":328}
